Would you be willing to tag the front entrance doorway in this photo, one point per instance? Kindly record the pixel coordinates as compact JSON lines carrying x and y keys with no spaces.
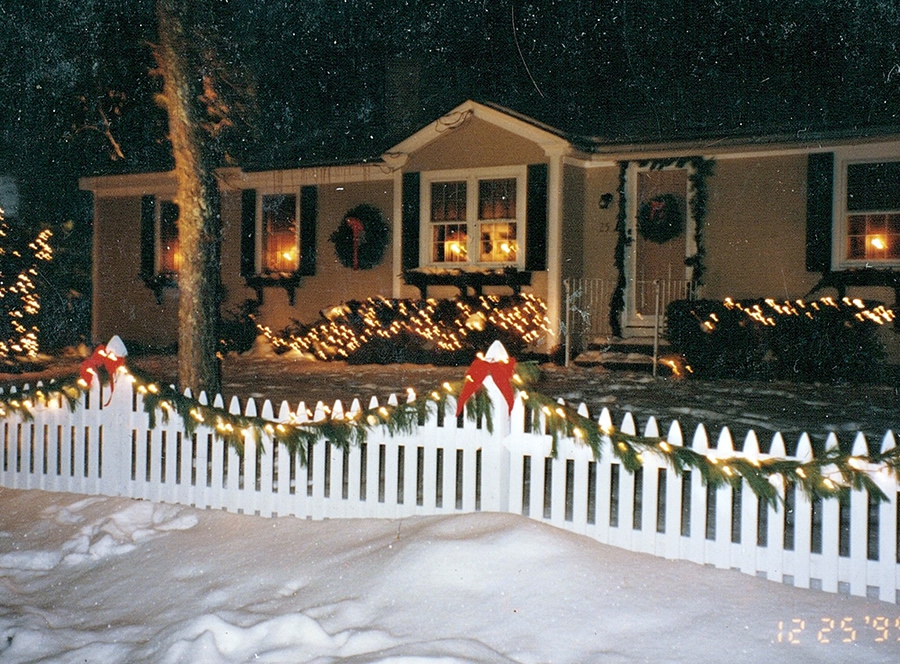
{"x":661,"y":229}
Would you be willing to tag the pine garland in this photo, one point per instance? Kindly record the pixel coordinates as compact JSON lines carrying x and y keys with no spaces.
{"x":832,"y":474}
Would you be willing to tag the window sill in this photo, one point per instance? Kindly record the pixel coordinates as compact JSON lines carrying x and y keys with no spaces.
{"x":289,"y":281}
{"x":843,"y":278}
{"x":465,"y":279}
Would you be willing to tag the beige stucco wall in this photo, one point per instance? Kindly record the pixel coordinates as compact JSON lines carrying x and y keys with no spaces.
{"x":755,"y":232}
{"x":333,"y":283}
{"x":474,"y":144}
{"x":123,"y":304}
{"x":599,"y":234}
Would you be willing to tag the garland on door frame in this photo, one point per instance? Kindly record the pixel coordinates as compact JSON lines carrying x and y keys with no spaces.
{"x":701,"y":169}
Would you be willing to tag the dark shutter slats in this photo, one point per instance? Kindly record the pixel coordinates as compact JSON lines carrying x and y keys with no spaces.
{"x":410,"y":221}
{"x":819,"y":198}
{"x":536,"y":218}
{"x":309,"y":210}
{"x":148,"y":236}
{"x":248,"y":232}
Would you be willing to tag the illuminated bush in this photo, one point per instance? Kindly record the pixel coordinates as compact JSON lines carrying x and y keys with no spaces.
{"x":383,"y":331}
{"x":825,"y":340}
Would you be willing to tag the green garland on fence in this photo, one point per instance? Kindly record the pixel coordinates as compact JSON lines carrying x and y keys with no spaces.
{"x":833,"y":474}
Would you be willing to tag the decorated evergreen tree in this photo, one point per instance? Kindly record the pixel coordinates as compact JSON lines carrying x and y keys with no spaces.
{"x":19,"y":300}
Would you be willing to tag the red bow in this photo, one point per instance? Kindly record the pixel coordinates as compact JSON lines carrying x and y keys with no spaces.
{"x":358,"y":230}
{"x":101,"y":358}
{"x":502,"y":373}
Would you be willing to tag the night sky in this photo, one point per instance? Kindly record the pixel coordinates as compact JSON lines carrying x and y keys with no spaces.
{"x":318,"y":80}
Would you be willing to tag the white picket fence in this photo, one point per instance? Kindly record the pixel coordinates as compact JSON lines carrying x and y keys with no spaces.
{"x":452,"y":466}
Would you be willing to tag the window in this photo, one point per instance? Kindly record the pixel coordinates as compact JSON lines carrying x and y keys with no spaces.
{"x":473,"y":219}
{"x":872,"y":211}
{"x":169,"y":248}
{"x":280,"y":236}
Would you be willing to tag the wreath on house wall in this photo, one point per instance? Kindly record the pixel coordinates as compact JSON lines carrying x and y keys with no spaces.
{"x":361,"y":238}
{"x":660,"y":219}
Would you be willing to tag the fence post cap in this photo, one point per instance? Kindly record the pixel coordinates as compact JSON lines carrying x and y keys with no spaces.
{"x":117,"y":346}
{"x":496,"y":352}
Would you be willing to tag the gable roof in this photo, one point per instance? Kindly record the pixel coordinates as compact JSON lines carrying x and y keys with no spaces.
{"x":549,"y":139}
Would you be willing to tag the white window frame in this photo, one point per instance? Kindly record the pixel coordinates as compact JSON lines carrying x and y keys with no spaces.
{"x":472,"y":177}
{"x":259,"y":250}
{"x":842,"y":160}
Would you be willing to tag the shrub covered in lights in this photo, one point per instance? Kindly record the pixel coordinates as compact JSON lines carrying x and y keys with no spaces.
{"x":448,"y":332}
{"x":20,"y":304}
{"x":825,"y":340}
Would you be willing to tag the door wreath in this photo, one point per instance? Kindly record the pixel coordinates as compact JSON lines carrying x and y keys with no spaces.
{"x":660,"y":219}
{"x":361,"y":238}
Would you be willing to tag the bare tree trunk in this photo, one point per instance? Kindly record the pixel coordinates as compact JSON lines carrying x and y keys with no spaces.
{"x":199,"y":224}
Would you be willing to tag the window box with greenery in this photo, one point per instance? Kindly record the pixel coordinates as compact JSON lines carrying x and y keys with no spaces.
{"x":278,"y":239}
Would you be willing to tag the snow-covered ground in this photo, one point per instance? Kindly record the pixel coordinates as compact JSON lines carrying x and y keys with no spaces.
{"x":89,"y":579}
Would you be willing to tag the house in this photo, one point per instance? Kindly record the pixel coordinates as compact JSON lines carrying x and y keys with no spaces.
{"x":486,"y":200}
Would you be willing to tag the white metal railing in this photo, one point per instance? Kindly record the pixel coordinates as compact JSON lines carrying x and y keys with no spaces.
{"x":588,"y":306}
{"x":447,"y":467}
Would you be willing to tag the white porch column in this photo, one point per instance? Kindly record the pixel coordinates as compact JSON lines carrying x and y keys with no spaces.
{"x":397,"y":236}
{"x":554,"y":248}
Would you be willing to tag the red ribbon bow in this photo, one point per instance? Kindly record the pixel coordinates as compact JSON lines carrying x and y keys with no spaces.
{"x":358,"y":230}
{"x":101,"y":358}
{"x":501,"y":372}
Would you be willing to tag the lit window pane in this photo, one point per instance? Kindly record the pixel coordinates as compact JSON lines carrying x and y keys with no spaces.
{"x":169,"y":247}
{"x":873,"y":237}
{"x":279,"y":224}
{"x":449,"y":243}
{"x":498,"y":243}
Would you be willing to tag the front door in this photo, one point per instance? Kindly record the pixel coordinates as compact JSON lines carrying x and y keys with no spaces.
{"x":661,"y":231}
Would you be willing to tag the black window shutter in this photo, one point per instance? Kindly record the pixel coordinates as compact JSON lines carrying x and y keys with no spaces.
{"x":536,"y":218}
{"x":819,"y":197}
{"x":309,"y":210}
{"x":411,"y":228}
{"x":148,"y":236}
{"x":248,"y":232}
